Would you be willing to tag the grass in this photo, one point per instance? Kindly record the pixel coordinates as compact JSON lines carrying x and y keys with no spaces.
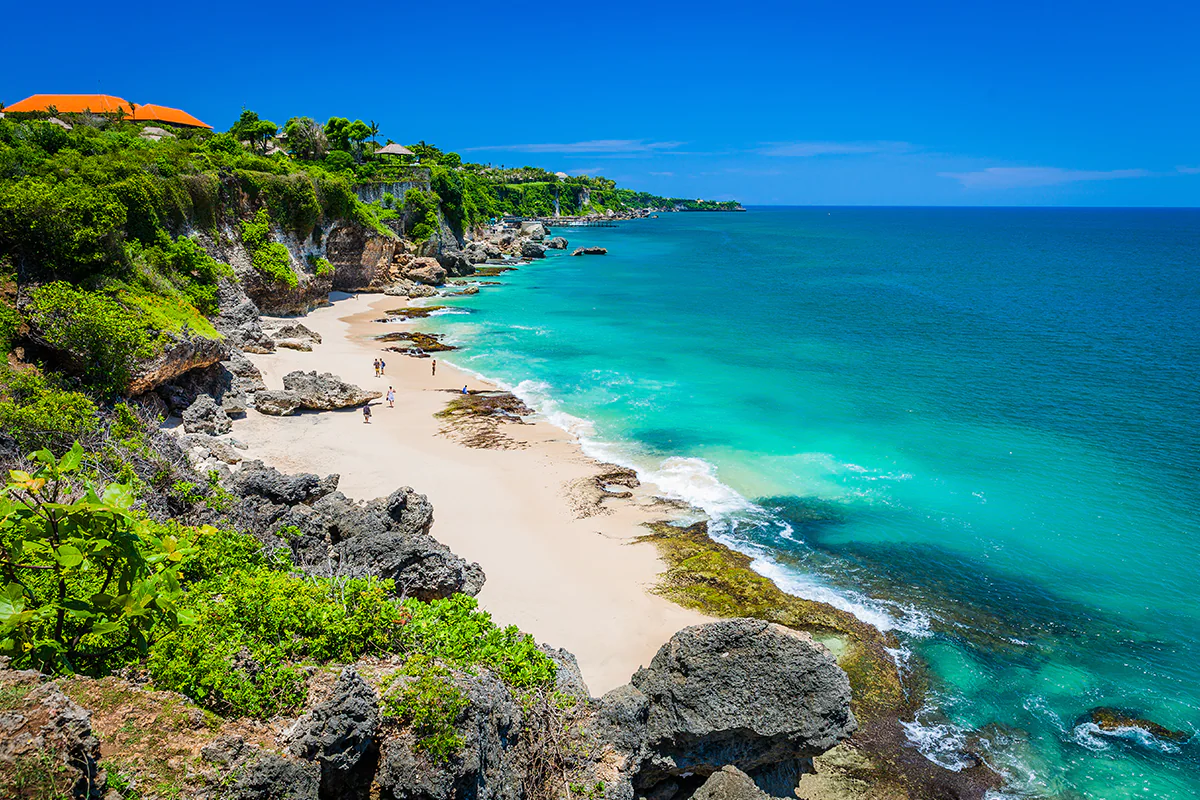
{"x":707,"y":576}
{"x":169,"y":315}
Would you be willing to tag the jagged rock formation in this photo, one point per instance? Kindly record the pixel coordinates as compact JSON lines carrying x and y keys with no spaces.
{"x":238,"y":319}
{"x":590,"y":251}
{"x":230,"y":383}
{"x":326,"y":391}
{"x":186,"y":352}
{"x":341,"y":734}
{"x":294,"y":336}
{"x":205,"y":416}
{"x":557,"y":243}
{"x":532,"y":249}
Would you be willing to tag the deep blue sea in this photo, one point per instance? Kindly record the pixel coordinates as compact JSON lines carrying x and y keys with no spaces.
{"x":975,"y":427}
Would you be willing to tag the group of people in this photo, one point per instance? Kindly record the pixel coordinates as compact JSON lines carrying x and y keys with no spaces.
{"x":380,"y":367}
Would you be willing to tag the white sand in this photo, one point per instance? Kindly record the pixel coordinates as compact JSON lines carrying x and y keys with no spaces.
{"x":572,"y":583}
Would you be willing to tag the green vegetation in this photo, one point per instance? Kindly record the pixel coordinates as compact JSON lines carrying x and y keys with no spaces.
{"x":710,"y":577}
{"x":424,"y":696}
{"x":271,"y":259}
{"x":421,"y":208}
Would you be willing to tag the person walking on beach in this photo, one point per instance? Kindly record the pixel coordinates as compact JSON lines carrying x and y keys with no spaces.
{"x":376,"y":368}
{"x":464,"y":391}
{"x":391,"y":397}
{"x":435,"y":368}
{"x":367,"y":414}
{"x":382,"y":364}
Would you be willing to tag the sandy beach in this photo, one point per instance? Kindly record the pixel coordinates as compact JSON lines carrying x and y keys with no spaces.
{"x":570,"y":581}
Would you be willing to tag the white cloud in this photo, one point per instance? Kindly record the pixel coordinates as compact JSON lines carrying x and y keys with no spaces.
{"x":812,"y":149}
{"x":592,"y":146}
{"x":1025,"y":177}
{"x":663,"y":174}
{"x":1188,"y":170}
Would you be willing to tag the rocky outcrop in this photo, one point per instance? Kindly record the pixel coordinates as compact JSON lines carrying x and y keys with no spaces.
{"x":426,"y":271}
{"x":326,"y":391}
{"x":44,"y":733}
{"x":186,"y":352}
{"x":590,"y":251}
{"x":533,"y":230}
{"x":557,"y":243}
{"x":238,"y":319}
{"x":230,"y":383}
{"x":277,"y":403}
{"x":739,"y":692}
{"x":532,"y":250}
{"x":420,"y":566}
{"x":361,"y":258}
{"x":205,"y":416}
{"x":294,"y":336}
{"x":254,"y":774}
{"x":340,"y":734}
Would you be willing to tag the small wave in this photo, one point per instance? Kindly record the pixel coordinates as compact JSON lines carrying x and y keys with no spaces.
{"x":1093,"y":737}
{"x":943,"y":743}
{"x":450,"y":312}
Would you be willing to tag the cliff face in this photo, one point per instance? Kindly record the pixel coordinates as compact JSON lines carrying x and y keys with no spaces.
{"x":361,"y":259}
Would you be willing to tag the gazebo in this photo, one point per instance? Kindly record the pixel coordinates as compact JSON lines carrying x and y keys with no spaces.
{"x":394,"y":149}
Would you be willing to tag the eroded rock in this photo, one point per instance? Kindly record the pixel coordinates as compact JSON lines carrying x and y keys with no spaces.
{"x":326,"y":391}
{"x":277,"y":403}
{"x":340,"y":735}
{"x":205,"y":416}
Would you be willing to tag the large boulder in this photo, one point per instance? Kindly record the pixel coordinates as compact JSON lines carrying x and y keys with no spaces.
{"x":456,"y":262}
{"x":294,"y":336}
{"x":277,"y":403}
{"x":325,"y":392}
{"x":205,"y":416}
{"x":739,"y":692}
{"x":532,"y":250}
{"x":257,"y":479}
{"x":254,"y":774}
{"x":557,"y":243}
{"x":341,"y":735}
{"x":729,"y":783}
{"x":420,"y":566}
{"x":425,"y":270}
{"x":184,"y":353}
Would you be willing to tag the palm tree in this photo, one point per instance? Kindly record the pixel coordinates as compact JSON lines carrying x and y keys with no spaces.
{"x":374,"y":132}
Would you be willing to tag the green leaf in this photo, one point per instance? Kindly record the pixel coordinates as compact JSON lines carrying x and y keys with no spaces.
{"x":101,"y":628}
{"x":71,"y":459}
{"x":117,"y":495}
{"x":68,"y":556}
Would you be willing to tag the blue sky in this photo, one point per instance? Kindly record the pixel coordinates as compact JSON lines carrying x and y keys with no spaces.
{"x":796,"y":103}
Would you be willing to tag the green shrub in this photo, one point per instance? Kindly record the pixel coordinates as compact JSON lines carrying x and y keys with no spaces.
{"x":86,"y":580}
{"x":101,"y":334}
{"x":67,"y":227}
{"x":37,"y":413}
{"x":430,"y":702}
{"x":270,"y":259}
{"x":255,"y":627}
{"x":421,"y":211}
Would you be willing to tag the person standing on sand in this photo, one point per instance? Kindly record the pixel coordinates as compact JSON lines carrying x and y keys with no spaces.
{"x":376,"y":362}
{"x":382,"y":364}
{"x":367,"y":414}
{"x":435,"y":368}
{"x":391,"y":398}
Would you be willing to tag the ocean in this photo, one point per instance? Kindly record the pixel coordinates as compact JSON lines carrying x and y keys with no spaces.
{"x":974,"y":427}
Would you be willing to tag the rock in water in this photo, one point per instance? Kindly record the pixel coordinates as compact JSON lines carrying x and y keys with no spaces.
{"x":277,"y":404}
{"x":326,"y":391}
{"x":533,"y":230}
{"x":742,"y":692}
{"x":590,"y":251}
{"x":532,"y":250}
{"x":426,"y":270}
{"x":340,"y":734}
{"x":557,"y":243}
{"x":205,"y":416}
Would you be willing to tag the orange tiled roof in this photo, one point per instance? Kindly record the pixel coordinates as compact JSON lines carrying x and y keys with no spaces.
{"x":171,"y":116}
{"x":106,"y":104}
{"x":71,"y":103}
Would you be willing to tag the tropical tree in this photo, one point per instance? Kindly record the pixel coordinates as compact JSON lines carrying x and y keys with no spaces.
{"x":254,"y":131}
{"x":306,"y":139}
{"x":374,"y":132}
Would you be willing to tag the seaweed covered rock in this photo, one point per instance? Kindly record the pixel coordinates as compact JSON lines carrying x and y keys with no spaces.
{"x":326,"y":391}
{"x":739,"y":692}
{"x":341,"y":735}
{"x":46,"y":739}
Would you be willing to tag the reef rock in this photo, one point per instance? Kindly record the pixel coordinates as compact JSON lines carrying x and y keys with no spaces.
{"x":590,"y":251}
{"x":277,"y":403}
{"x":326,"y":391}
{"x":533,"y":230}
{"x":557,"y":243}
{"x":340,"y":735}
{"x":254,"y":774}
{"x":205,"y":416}
{"x":740,"y":692}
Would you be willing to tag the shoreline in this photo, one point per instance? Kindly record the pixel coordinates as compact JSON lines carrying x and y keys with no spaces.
{"x":552,"y":544}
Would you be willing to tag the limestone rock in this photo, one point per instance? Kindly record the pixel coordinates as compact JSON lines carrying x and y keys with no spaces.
{"x":340,"y":735}
{"x":238,"y":319}
{"x":533,"y":230}
{"x":205,"y":416}
{"x":256,"y":478}
{"x":294,"y":344}
{"x":325,"y":392}
{"x":39,"y":723}
{"x":739,"y":692}
{"x":420,"y":566}
{"x":729,"y":783}
{"x":532,"y":250}
{"x":185,"y":353}
{"x":277,"y":403}
{"x":255,"y":775}
{"x":426,"y":270}
{"x":557,"y":243}
{"x":590,"y":251}
{"x":294,"y":330}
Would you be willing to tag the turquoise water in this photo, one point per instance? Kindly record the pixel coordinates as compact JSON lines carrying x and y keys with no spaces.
{"x":975,"y":427}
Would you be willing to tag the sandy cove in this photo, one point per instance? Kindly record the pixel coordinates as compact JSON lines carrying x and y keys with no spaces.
{"x":575,"y":583}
